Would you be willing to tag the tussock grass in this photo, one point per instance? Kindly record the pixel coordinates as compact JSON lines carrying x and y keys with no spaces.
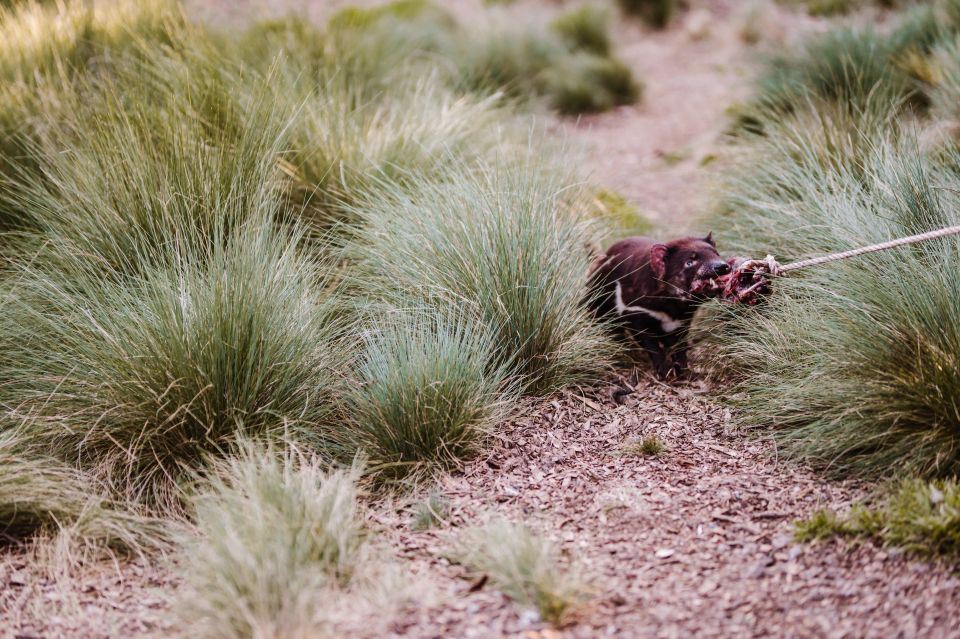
{"x":48,"y":38}
{"x":921,"y":517}
{"x":588,"y":83}
{"x":585,"y":28}
{"x":290,"y":44}
{"x":369,"y":45}
{"x":41,"y":496}
{"x":520,"y":54}
{"x":831,"y":7}
{"x":276,"y":532}
{"x":844,"y":64}
{"x":45,"y":46}
{"x":159,"y":154}
{"x":165,"y":302}
{"x":656,"y":13}
{"x":342,"y":146}
{"x":854,"y":364}
{"x":526,"y":567}
{"x":503,"y":244}
{"x":353,"y":115}
{"x":523,"y":59}
{"x":399,"y":10}
{"x":432,"y":512}
{"x":945,"y":97}
{"x":650,"y":446}
{"x":141,"y":379}
{"x":507,"y":54}
{"x":850,"y":65}
{"x":427,"y":390}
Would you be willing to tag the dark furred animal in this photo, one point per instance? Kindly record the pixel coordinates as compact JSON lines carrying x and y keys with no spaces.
{"x":653,"y":289}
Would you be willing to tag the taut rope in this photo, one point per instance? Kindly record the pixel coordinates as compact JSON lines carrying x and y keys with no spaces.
{"x":873,"y":248}
{"x":749,"y":280}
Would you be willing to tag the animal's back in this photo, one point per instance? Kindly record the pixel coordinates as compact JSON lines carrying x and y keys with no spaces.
{"x":627,"y":257}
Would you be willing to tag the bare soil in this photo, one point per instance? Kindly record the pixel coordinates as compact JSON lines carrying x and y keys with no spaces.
{"x":696,"y":541}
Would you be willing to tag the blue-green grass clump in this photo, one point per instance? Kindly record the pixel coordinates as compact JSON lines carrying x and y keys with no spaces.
{"x":585,"y":28}
{"x":138,"y":378}
{"x":656,"y":13}
{"x":856,"y":365}
{"x":504,"y":245}
{"x":426,"y":392}
{"x":276,"y":534}
{"x":507,"y":52}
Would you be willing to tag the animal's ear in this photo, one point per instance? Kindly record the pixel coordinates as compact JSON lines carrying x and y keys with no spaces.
{"x":709,"y":239}
{"x":658,"y":260}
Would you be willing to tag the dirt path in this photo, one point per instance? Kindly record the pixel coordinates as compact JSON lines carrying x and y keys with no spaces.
{"x":657,"y":152}
{"x":694,"y":542}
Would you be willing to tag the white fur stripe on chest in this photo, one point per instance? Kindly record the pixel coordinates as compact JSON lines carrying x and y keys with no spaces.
{"x":667,"y":323}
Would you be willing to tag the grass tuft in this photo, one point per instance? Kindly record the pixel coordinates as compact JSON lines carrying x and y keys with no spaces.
{"x":523,"y":59}
{"x":585,"y":28}
{"x":656,"y":13}
{"x":844,"y":65}
{"x":921,"y":517}
{"x":526,"y":567}
{"x":827,"y":8}
{"x":427,"y":390}
{"x":275,"y":531}
{"x":856,"y":363}
{"x":650,"y":446}
{"x":140,"y":380}
{"x":432,"y":512}
{"x":588,"y":83}
{"x":342,"y":145}
{"x":506,"y":246}
{"x":41,"y":496}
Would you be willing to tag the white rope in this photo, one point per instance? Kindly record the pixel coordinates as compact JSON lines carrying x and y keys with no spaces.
{"x":833,"y":257}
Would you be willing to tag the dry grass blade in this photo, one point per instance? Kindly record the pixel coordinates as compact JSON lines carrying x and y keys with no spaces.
{"x":524,"y":566}
{"x":276,"y":531}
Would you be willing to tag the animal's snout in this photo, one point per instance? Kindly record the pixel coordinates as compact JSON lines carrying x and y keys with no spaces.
{"x":719,"y":268}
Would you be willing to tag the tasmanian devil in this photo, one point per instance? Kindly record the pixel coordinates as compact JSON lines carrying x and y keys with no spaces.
{"x":652,"y":290}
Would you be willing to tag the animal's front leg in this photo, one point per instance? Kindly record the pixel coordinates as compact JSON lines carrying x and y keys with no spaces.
{"x":657,"y":352}
{"x":680,"y":362}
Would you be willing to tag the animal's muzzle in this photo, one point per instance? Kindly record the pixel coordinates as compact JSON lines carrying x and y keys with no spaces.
{"x":719,"y":268}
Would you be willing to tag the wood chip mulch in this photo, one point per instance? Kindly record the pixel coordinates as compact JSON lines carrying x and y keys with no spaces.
{"x":697,"y":541}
